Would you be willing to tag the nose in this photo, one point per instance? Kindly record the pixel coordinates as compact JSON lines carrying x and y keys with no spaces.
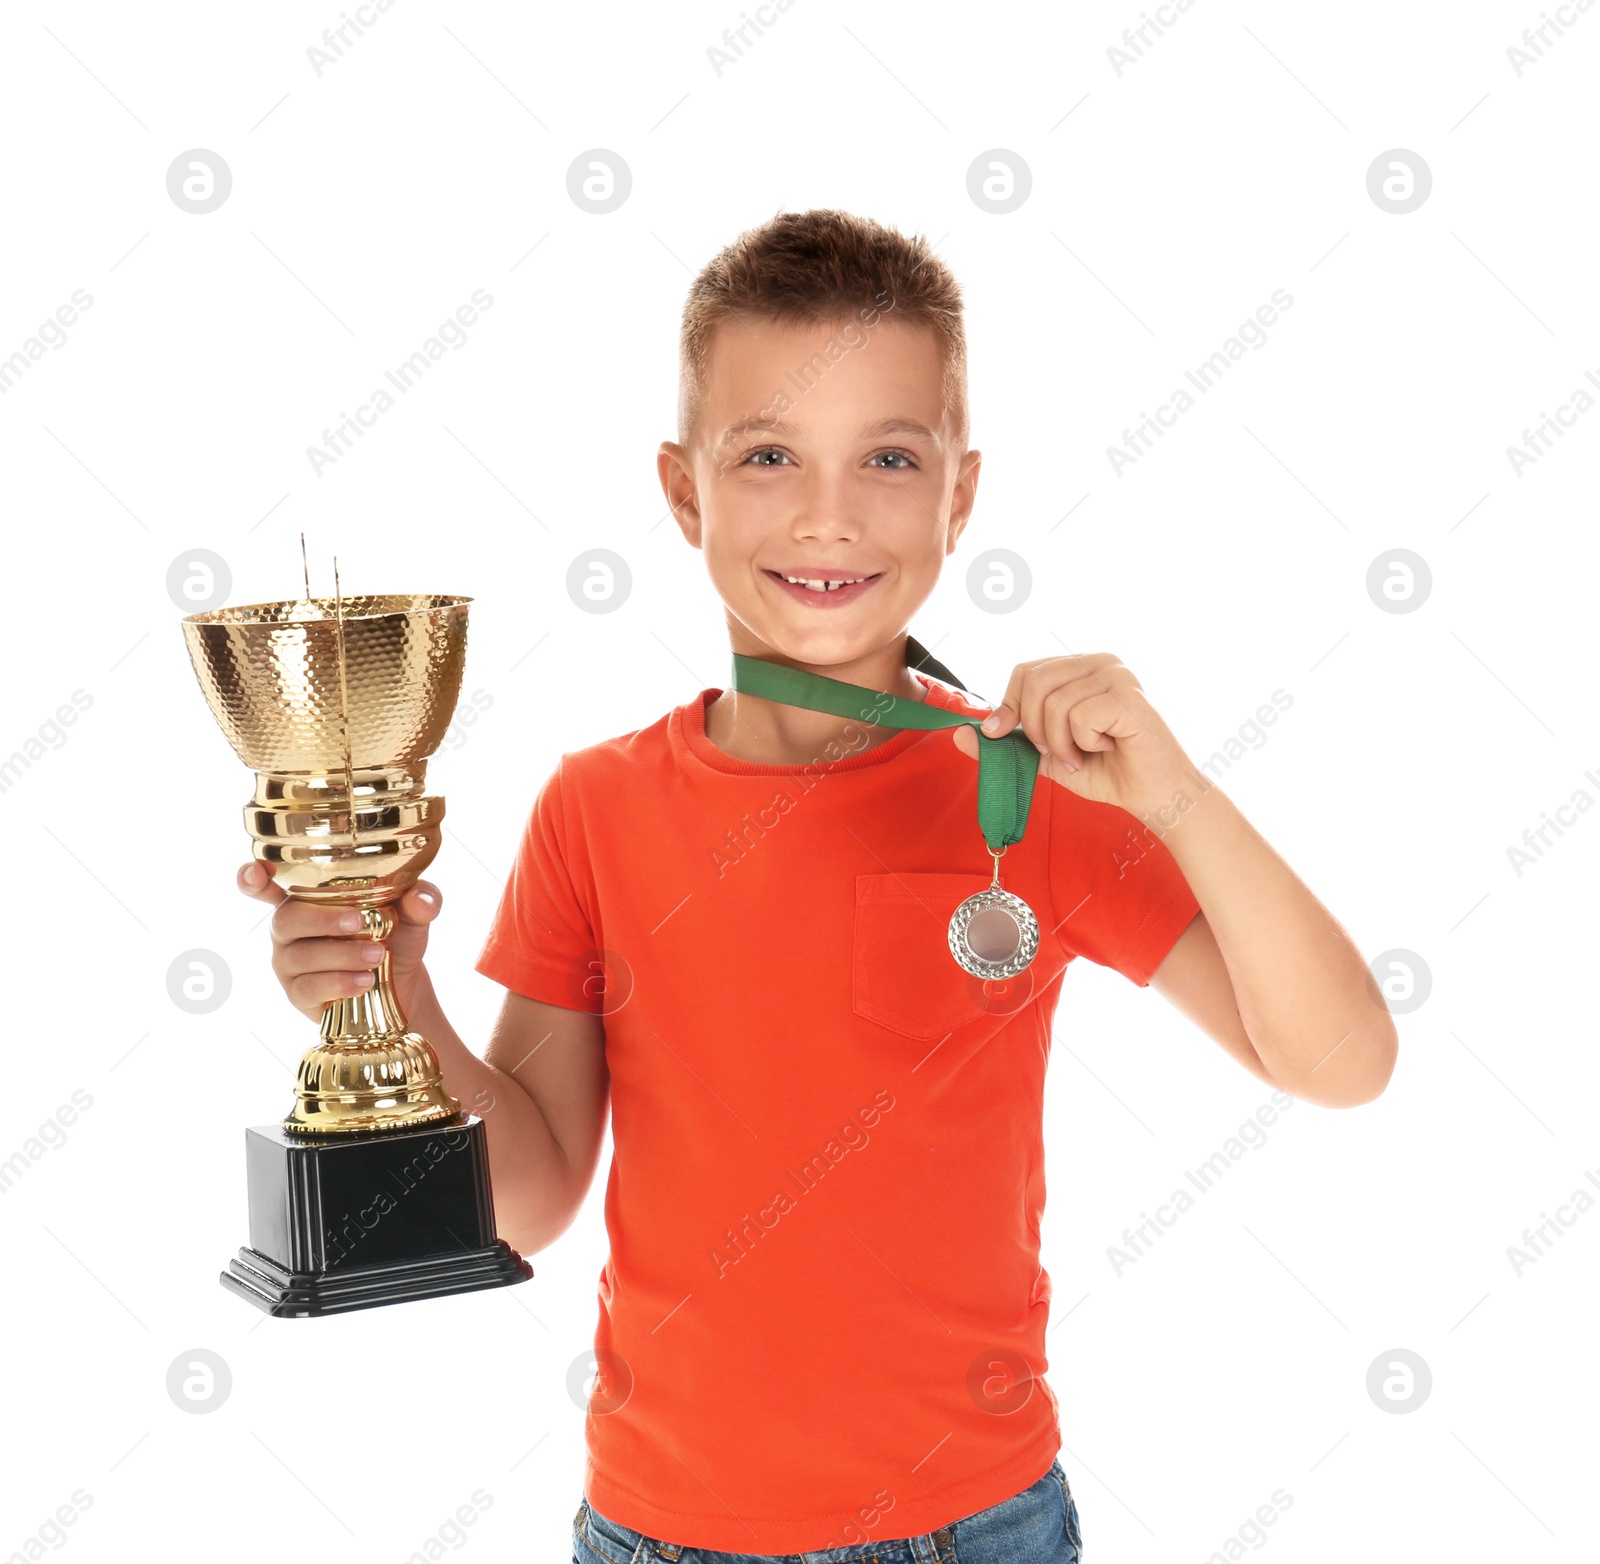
{"x":823,"y":513}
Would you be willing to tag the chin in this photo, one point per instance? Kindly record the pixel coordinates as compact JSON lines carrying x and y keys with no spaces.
{"x":825,"y":646}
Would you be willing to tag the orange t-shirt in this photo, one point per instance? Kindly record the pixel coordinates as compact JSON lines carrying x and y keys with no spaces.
{"x":822,"y":1319}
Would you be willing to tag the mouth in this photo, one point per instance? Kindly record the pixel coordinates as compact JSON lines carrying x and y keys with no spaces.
{"x":822,"y":591}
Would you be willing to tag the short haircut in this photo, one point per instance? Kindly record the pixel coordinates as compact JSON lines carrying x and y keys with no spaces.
{"x":814,"y":267}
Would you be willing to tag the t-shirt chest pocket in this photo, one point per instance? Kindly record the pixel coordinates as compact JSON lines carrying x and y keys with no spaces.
{"x":902,"y":973}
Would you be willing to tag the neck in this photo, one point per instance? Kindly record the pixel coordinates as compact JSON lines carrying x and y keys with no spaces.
{"x":770,"y":733}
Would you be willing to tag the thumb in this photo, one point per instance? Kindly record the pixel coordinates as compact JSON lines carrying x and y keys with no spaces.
{"x":419,"y":905}
{"x":255,"y":880}
{"x":413,"y":913}
{"x":1001,"y":720}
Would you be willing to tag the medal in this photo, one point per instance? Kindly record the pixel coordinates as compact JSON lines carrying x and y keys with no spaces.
{"x":993,"y":934}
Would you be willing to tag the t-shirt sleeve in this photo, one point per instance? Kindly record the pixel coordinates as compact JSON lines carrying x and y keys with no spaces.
{"x":1120,"y":898}
{"x":542,"y":942}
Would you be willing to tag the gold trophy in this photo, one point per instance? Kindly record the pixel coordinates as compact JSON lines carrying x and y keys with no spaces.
{"x":374,"y":1188}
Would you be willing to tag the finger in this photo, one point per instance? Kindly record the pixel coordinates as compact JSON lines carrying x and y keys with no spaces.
{"x":1098,"y":721}
{"x":1043,"y":692}
{"x":1074,"y":778}
{"x":966,"y":739}
{"x":1057,"y":741}
{"x":296,"y":919}
{"x":1032,"y":684}
{"x":306,"y":956}
{"x":256,"y":883}
{"x":1065,"y":735}
{"x":311,"y":992}
{"x":420,"y":904}
{"x":1009,"y":713}
{"x":1005,"y":716}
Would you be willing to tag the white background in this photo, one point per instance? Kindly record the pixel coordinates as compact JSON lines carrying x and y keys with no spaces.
{"x":1167,"y":203}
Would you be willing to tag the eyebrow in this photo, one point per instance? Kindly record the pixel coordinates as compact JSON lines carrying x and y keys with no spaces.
{"x":778,"y":426}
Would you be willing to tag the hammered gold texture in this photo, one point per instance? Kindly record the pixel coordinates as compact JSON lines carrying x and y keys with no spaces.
{"x":270,"y":673}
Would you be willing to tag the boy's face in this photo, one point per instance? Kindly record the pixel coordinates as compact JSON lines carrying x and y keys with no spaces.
{"x":820,"y":486}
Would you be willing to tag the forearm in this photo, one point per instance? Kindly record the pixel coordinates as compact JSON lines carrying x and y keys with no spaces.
{"x":1306,"y":998}
{"x":535,"y":1193}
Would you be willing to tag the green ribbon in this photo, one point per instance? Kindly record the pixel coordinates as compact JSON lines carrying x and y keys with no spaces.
{"x":1007,"y":767}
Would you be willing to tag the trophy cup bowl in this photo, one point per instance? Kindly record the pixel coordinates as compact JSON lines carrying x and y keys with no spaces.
{"x":336,"y":704}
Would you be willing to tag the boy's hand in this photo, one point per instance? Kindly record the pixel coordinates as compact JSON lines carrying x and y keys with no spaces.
{"x":318,"y":956}
{"x":1096,"y":732}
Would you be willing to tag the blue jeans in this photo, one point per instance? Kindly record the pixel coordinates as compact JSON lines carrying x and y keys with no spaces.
{"x":1037,"y":1526}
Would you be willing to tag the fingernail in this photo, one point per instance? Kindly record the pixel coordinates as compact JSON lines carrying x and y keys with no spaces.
{"x":426,"y":897}
{"x":372,"y":953}
{"x":363,"y":980}
{"x":350,"y":921}
{"x":991,"y":723}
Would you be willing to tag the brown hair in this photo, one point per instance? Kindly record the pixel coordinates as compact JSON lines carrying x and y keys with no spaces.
{"x":818,"y":266}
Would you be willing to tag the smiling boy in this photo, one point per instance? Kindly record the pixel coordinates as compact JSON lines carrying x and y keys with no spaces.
{"x":822,"y":1320}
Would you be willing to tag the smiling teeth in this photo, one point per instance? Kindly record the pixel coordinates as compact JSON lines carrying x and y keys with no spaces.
{"x":822,"y":586}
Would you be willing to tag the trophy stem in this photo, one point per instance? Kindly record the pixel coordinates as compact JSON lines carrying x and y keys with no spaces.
{"x":376,"y":1013}
{"x":370,"y":1071}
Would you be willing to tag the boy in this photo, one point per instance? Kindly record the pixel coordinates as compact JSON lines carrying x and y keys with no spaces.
{"x":822,"y":1320}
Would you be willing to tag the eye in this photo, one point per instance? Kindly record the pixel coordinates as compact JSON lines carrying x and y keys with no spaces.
{"x":766,"y":450}
{"x":903,"y":455}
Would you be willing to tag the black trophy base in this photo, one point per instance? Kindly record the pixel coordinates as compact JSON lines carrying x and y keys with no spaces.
{"x":356,"y":1221}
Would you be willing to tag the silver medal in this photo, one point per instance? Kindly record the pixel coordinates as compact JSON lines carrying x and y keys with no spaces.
{"x":994,"y":934}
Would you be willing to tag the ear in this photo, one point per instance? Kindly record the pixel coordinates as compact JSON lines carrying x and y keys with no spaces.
{"x":964,"y":497}
{"x":676,"y":472}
